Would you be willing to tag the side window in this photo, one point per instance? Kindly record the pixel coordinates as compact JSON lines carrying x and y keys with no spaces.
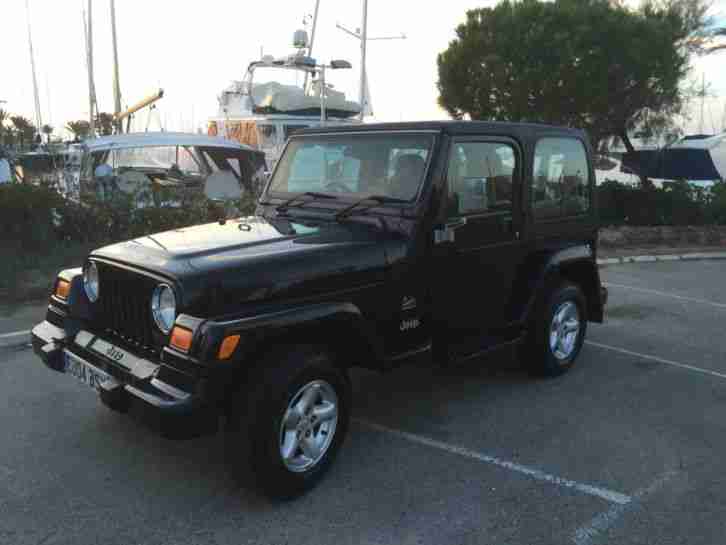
{"x":480,"y":177}
{"x":561,"y":179}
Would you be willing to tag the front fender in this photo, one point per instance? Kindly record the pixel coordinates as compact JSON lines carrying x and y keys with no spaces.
{"x":337,"y":324}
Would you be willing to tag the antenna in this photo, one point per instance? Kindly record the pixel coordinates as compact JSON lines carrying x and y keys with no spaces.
{"x":362,"y":35}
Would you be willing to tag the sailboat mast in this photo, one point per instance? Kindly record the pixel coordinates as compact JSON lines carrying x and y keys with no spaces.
{"x":315,"y":25}
{"x":363,"y":42}
{"x":38,"y":117}
{"x":116,"y":83}
{"x":703,"y":100}
{"x":312,"y":40}
{"x":89,"y":54}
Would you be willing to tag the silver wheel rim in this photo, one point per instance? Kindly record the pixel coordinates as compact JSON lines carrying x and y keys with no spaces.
{"x":564,"y":330}
{"x":308,"y":426}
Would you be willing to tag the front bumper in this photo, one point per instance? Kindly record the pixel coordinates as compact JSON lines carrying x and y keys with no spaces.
{"x":135,"y":388}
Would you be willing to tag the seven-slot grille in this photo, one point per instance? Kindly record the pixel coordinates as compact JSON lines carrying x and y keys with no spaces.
{"x":124,"y":306}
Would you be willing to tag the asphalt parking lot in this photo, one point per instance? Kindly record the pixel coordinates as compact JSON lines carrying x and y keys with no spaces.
{"x":627,"y":448}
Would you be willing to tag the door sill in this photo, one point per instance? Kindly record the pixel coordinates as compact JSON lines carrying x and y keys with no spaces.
{"x":461,"y":357}
{"x":414,"y":355}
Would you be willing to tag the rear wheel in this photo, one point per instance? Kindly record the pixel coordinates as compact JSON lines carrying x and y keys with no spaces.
{"x":289,"y":426}
{"x":557,"y":332}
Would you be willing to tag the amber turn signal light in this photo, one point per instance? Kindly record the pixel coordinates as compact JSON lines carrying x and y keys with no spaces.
{"x":62,"y":288}
{"x":181,"y":339}
{"x":226,"y":349}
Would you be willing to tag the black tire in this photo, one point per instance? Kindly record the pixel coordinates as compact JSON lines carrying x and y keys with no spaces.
{"x":541,"y":358}
{"x":256,"y":415}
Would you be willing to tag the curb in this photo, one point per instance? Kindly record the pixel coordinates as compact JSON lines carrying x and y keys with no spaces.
{"x":656,"y":258}
{"x":14,"y":339}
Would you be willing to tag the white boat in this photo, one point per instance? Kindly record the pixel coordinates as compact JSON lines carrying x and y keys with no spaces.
{"x":278,"y":96}
{"x":698,"y":158}
{"x":157,"y":168}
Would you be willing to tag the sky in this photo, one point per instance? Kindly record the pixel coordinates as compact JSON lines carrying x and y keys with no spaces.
{"x":194,"y":49}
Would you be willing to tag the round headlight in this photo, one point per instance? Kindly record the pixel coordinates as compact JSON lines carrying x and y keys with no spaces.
{"x":91,"y":283}
{"x":163,"y":307}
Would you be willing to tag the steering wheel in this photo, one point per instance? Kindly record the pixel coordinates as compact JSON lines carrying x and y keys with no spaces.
{"x":338,"y":187}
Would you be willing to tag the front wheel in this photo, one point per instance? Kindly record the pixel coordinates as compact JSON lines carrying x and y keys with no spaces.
{"x":557,"y":332}
{"x":293,"y":422}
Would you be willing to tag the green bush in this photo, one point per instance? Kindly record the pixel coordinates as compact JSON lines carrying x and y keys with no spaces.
{"x":716,"y":207}
{"x":34,"y":218}
{"x":26,"y":217}
{"x":675,"y":203}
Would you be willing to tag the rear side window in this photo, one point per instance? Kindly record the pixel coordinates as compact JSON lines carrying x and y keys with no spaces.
{"x":561,"y":178}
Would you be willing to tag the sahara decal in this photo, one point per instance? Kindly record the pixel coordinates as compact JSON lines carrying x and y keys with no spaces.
{"x":409,"y":303}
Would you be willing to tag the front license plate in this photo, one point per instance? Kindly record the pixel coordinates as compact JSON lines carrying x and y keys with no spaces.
{"x":87,"y":374}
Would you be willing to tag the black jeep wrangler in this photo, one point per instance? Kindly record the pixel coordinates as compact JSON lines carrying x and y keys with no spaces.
{"x":372,"y":246}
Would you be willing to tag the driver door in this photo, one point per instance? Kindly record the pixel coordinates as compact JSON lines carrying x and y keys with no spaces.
{"x":480,"y":250}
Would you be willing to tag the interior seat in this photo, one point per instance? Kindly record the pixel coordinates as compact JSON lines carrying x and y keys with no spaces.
{"x":407,"y":176}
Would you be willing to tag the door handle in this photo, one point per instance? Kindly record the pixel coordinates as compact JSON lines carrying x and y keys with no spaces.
{"x":446,"y":232}
{"x":455,"y":224}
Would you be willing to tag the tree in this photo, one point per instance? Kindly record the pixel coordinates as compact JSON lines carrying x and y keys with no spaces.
{"x":592,"y":64}
{"x":26,"y":130}
{"x":80,"y":129}
{"x":105,"y":123}
{"x":47,"y":130}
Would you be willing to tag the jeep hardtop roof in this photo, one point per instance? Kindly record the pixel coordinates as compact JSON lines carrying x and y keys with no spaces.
{"x":515,"y":130}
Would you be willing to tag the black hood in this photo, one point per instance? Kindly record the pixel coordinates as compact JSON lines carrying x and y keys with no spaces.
{"x":218,"y":266}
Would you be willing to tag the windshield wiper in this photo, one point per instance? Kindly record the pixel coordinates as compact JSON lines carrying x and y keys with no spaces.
{"x":293,"y":201}
{"x":374,"y":200}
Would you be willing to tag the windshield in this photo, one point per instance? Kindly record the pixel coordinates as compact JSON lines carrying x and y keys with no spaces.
{"x":160,"y":157}
{"x":391,"y":165}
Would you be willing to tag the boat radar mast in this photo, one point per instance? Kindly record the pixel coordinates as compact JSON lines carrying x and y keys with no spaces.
{"x":279,"y":95}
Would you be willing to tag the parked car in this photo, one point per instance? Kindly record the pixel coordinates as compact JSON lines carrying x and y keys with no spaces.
{"x":413,"y":242}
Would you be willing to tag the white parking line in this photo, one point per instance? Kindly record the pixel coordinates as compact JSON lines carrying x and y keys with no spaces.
{"x":537,"y":474}
{"x":606,"y":520}
{"x":16,"y":338}
{"x":14,"y":334}
{"x":659,"y":360}
{"x":666,"y":294}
